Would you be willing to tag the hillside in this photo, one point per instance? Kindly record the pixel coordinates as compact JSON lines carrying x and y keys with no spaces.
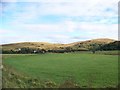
{"x":91,"y":43}
{"x":32,"y":45}
{"x":111,"y":46}
{"x":83,"y":45}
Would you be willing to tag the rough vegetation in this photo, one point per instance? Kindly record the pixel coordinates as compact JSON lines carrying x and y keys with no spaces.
{"x":15,"y":79}
{"x":111,"y":46}
{"x":40,"y":47}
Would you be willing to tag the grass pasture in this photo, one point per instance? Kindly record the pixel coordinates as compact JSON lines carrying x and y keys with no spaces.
{"x":87,"y":70}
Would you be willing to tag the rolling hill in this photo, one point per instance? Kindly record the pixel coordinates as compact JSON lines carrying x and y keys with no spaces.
{"x":91,"y":43}
{"x":82,"y":45}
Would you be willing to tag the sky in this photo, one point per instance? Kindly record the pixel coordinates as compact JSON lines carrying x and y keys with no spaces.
{"x":57,"y":21}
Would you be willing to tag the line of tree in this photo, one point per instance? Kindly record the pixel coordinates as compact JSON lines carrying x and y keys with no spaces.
{"x":24,"y":51}
{"x":42,"y":51}
{"x":105,"y":47}
{"x":111,"y":46}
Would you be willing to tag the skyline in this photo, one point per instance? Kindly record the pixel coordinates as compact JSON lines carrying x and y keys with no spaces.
{"x":57,"y":21}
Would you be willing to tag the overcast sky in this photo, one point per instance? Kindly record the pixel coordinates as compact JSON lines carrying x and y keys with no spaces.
{"x":57,"y":21}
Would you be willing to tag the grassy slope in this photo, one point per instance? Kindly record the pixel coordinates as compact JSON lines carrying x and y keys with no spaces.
{"x":89,"y":70}
{"x":44,"y":45}
{"x":87,"y":44}
{"x":41,"y":45}
{"x":14,"y":79}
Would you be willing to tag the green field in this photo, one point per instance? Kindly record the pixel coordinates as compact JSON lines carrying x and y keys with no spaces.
{"x":87,"y":70}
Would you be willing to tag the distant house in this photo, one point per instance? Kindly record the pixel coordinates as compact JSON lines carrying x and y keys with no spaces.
{"x":19,"y":49}
{"x":35,"y":51}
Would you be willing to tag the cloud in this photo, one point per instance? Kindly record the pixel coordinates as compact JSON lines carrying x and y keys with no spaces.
{"x":65,"y":26}
{"x":65,"y":30}
{"x":68,"y":8}
{"x":9,"y":0}
{"x":80,"y":8}
{"x":100,"y":30}
{"x":79,"y":20}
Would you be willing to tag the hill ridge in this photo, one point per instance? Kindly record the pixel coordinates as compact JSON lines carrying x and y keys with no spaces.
{"x":81,"y":45}
{"x":64,"y":43}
